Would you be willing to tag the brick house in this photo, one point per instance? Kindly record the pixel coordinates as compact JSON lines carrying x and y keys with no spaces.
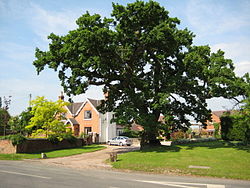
{"x":83,"y":117}
{"x":215,"y":118}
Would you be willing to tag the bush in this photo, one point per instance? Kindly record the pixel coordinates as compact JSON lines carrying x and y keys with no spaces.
{"x":15,"y":139}
{"x":130,"y":133}
{"x":187,"y":141}
{"x":235,"y":127}
{"x":217,"y":130}
{"x":53,"y":138}
{"x":177,"y":135}
{"x":204,"y":133}
{"x":69,"y":137}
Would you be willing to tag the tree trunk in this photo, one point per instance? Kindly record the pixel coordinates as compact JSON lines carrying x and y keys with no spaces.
{"x":149,"y":139}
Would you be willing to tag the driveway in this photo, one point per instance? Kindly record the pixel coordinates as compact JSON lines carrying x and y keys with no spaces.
{"x":89,"y":160}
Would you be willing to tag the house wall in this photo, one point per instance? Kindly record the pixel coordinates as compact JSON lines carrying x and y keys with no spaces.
{"x":111,"y":127}
{"x":215,"y":118}
{"x":108,"y":129}
{"x":100,"y":123}
{"x":93,"y":122}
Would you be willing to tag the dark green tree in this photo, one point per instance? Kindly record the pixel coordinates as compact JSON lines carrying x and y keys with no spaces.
{"x":236,"y":126}
{"x":145,"y":62}
{"x":18,"y":123}
{"x":4,"y":114}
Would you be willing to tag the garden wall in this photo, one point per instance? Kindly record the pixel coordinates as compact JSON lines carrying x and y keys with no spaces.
{"x":37,"y":145}
{"x":7,"y":147}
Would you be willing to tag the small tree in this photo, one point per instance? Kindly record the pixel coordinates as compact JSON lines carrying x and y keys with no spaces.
{"x":47,"y":117}
{"x":18,"y":123}
{"x":4,"y":114}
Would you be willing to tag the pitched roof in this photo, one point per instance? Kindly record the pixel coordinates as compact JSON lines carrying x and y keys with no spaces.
{"x":74,"y":107}
{"x":220,"y":113}
{"x":94,"y":102}
{"x":73,"y":121}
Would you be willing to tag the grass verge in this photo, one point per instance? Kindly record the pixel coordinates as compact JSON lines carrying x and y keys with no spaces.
{"x":52,"y":154}
{"x":224,"y":159}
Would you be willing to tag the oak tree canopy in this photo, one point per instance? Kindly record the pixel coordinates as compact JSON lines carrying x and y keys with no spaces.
{"x":145,"y":62}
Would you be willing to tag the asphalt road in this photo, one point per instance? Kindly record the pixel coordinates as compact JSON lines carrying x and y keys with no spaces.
{"x":26,"y":174}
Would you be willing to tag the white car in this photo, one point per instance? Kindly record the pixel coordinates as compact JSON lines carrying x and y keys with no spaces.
{"x":120,"y":140}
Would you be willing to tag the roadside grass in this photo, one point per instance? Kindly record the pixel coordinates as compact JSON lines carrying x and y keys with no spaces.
{"x":226,"y":160}
{"x":52,"y":154}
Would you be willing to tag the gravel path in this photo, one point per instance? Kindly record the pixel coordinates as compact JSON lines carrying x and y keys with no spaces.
{"x":89,"y":160}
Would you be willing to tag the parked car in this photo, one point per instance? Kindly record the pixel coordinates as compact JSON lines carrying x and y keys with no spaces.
{"x":120,"y":140}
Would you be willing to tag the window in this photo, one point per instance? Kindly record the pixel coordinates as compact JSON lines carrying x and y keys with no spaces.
{"x":87,"y":130}
{"x":87,"y":114}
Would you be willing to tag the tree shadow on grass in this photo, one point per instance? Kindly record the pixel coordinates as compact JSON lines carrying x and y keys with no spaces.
{"x":191,"y":146}
{"x":218,"y":144}
{"x":161,"y":148}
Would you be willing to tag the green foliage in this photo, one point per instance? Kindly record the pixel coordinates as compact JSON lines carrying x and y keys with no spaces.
{"x":54,"y":138}
{"x":15,"y":138}
{"x":18,"y":123}
{"x":4,"y":118}
{"x":83,"y":135}
{"x":236,"y":126}
{"x":46,"y":118}
{"x":217,"y":130}
{"x":130,"y":133}
{"x":144,"y":61}
{"x":69,"y":137}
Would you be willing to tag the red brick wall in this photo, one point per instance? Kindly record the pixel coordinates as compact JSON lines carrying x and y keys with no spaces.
{"x":37,"y":145}
{"x":7,"y":147}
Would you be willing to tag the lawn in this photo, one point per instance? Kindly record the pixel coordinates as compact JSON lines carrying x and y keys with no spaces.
{"x":225,"y":160}
{"x":52,"y":154}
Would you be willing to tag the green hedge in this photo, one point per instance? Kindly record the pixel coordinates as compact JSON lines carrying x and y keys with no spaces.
{"x":15,"y":138}
{"x":235,"y":127}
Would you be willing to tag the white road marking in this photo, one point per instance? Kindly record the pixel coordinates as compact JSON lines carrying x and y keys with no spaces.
{"x":22,"y":174}
{"x":215,"y":186}
{"x":182,"y":184}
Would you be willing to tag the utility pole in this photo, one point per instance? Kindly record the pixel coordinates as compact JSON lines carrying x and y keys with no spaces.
{"x":30,"y":99}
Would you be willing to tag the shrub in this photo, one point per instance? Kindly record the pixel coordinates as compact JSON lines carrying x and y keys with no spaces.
{"x":217,"y":130}
{"x":53,"y":138}
{"x":235,"y":127}
{"x":130,"y":133}
{"x":15,"y":139}
{"x":187,"y":141}
{"x":177,"y":135}
{"x":204,"y":133}
{"x":69,"y":137}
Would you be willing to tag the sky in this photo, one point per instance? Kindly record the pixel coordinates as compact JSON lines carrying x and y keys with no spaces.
{"x":25,"y":25}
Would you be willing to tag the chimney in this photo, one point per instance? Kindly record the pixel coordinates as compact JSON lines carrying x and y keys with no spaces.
{"x":61,"y":97}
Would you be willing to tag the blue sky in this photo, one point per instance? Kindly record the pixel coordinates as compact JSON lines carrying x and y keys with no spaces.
{"x":25,"y":25}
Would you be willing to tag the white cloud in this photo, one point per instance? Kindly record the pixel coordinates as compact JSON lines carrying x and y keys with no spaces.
{"x":44,"y":22}
{"x":238,"y":52}
{"x":213,"y":17}
{"x":242,"y":67}
{"x":234,"y":50}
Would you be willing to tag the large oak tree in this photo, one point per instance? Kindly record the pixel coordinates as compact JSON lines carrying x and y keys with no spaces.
{"x":145,"y":62}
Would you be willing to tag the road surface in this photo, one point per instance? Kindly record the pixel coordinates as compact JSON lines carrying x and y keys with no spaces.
{"x":28,"y":174}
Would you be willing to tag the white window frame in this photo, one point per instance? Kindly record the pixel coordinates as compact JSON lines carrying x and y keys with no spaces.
{"x":86,"y":111}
